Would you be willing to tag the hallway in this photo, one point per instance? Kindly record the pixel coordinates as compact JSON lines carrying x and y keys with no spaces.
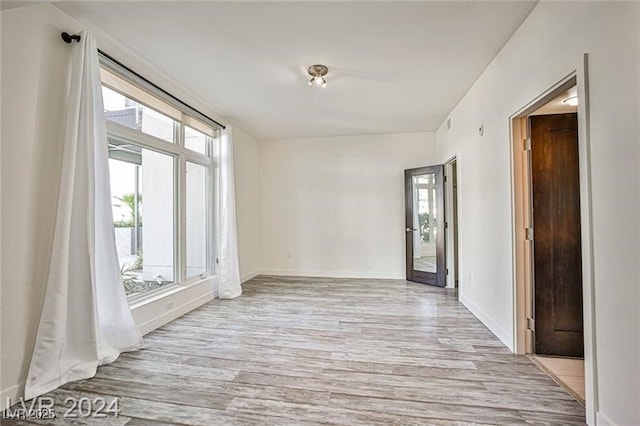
{"x":318,"y":350}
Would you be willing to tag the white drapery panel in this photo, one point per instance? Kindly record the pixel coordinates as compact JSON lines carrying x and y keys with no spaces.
{"x":86,"y":320}
{"x":228,"y":266}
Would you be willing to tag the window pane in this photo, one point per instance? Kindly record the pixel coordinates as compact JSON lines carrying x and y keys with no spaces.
{"x":195,"y":140}
{"x":155,"y":124}
{"x":196,"y":219}
{"x":142,"y":189}
{"x":122,"y":110}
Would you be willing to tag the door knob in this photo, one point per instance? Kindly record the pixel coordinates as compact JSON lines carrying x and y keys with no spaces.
{"x":410,"y":229}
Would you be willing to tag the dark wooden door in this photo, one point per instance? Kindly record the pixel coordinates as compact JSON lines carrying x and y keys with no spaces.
{"x":556,"y":234}
{"x":424,"y":225}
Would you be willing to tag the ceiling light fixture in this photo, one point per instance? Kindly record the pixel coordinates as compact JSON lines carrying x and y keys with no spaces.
{"x":573,"y":101}
{"x":317,"y":73}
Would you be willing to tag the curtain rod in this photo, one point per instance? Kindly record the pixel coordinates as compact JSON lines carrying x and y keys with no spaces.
{"x":69,"y":38}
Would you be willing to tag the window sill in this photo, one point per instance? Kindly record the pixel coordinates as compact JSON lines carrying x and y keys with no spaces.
{"x":160,"y":308}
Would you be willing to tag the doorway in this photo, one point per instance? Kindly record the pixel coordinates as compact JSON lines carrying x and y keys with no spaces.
{"x":424,"y":225}
{"x":557,"y":248}
{"x":451,"y":223}
{"x":548,"y":235}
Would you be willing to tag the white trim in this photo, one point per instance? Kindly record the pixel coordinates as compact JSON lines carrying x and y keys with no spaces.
{"x":153,"y":143}
{"x":156,"y":295}
{"x":331,"y":274}
{"x":174,"y":313}
{"x":249,"y":276}
{"x":588,"y":290}
{"x":602,"y":420}
{"x":452,"y":223}
{"x":494,"y":327}
{"x":179,"y":218}
{"x":521,"y":292}
{"x":586,"y":208}
{"x":520,"y":308}
{"x":157,"y":310}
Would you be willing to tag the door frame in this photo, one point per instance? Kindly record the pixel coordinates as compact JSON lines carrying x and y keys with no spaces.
{"x":520,"y":209}
{"x":452,"y":230}
{"x":423,"y":277}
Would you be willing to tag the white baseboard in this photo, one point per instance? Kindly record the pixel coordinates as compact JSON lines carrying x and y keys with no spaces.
{"x":502,"y":334}
{"x":12,"y":393}
{"x":249,"y":276}
{"x":174,"y":313}
{"x":602,"y":420}
{"x":331,"y":274}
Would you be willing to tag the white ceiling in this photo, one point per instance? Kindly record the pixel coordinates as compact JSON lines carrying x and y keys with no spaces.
{"x":393,"y":66}
{"x":13,"y":4}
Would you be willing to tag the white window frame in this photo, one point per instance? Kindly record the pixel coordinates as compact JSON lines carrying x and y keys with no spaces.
{"x":181,"y":155}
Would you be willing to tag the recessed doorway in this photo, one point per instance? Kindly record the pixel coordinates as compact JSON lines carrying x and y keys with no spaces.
{"x":451,"y":221}
{"x":548,"y":230}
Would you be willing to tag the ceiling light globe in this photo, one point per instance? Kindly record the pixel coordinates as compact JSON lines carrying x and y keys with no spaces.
{"x":573,"y":101}
{"x":317,"y":73}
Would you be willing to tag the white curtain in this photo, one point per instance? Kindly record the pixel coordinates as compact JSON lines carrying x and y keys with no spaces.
{"x":85,"y":320}
{"x":228,"y":267}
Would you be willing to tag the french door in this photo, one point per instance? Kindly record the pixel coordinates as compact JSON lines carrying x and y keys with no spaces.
{"x":424,"y":225}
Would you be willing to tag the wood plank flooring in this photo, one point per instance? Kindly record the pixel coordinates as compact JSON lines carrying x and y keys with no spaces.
{"x":301,"y":351}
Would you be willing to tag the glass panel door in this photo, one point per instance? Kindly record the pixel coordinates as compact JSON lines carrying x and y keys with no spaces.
{"x":424,"y":228}
{"x":424,"y":220}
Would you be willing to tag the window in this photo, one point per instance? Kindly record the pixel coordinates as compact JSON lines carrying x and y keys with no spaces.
{"x":142,"y":191}
{"x":196,"y":219}
{"x":195,"y":140}
{"x":161,"y":167}
{"x":125,"y":111}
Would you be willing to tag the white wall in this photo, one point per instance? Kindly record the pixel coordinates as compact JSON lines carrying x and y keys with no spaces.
{"x":246,"y":177}
{"x":34,"y":73}
{"x":334,"y":206}
{"x":34,"y":80}
{"x":547,"y":47}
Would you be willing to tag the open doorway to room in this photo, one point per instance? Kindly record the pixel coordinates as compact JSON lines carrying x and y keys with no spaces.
{"x":548,"y":244}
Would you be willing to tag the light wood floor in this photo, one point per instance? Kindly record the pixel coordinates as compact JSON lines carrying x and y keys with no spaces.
{"x":333,"y":351}
{"x":568,"y":371}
